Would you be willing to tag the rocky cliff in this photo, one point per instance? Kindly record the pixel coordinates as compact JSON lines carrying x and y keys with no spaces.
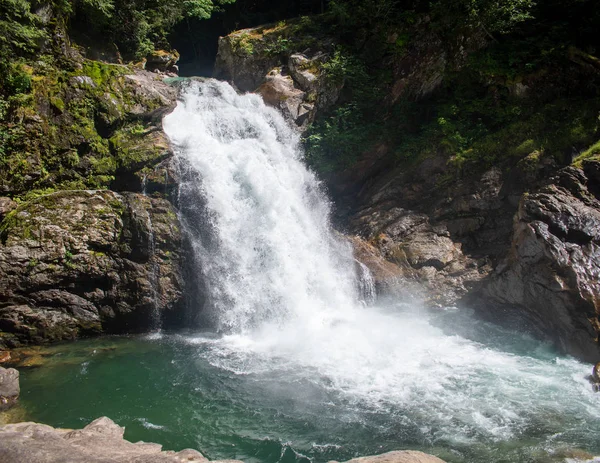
{"x":83,"y":262}
{"x":90,"y":241}
{"x":552,"y":269}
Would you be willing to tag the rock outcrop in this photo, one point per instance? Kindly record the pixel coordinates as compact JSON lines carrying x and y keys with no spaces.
{"x":9,"y":387}
{"x":83,"y":250}
{"x":400,"y":456}
{"x":552,"y":270}
{"x":287,"y":69}
{"x":76,"y":263}
{"x":102,"y":441}
{"x":443,"y":238}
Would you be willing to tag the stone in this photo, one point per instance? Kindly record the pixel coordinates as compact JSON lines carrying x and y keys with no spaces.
{"x":6,"y":205}
{"x":399,"y":456}
{"x":595,"y":377}
{"x":9,"y":387}
{"x":292,"y":81}
{"x":4,"y":356}
{"x":77,"y":263}
{"x":246,"y":70}
{"x":279,"y":92}
{"x":101,"y":441}
{"x":161,"y":60}
{"x":300,"y":66}
{"x":390,"y":279}
{"x":550,"y":275}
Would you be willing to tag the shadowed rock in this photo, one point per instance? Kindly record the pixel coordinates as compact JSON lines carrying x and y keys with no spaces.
{"x":75,"y":263}
{"x":551,"y":273}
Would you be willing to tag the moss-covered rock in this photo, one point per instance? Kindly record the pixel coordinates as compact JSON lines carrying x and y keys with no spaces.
{"x":75,"y":263}
{"x":61,"y":133}
{"x":285,"y":63}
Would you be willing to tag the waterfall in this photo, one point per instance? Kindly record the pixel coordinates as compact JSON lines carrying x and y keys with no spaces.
{"x":259,"y":218}
{"x":153,"y":276}
{"x":366,"y":284}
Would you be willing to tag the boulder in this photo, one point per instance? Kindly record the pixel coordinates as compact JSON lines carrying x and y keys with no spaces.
{"x":390,"y":279}
{"x":76,"y":263}
{"x":399,"y":456}
{"x":101,"y":441}
{"x":163,"y":61}
{"x":290,"y":80}
{"x":9,"y":387}
{"x":280,"y":92}
{"x":551,"y":273}
{"x":237,"y":61}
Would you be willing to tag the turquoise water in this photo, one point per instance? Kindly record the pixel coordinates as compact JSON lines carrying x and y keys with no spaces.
{"x":504,"y":397}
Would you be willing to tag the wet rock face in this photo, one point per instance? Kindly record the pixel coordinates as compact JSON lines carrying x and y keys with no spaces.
{"x":442,"y":238}
{"x":524,"y":258}
{"x":76,"y":263}
{"x":552,"y":271}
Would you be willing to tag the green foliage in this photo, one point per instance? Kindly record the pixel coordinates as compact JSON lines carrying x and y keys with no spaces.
{"x":366,"y":13}
{"x":520,"y":98}
{"x":281,"y":45}
{"x":20,"y":29}
{"x":494,"y":16}
{"x":335,"y":143}
{"x":593,"y":152}
{"x":242,"y":44}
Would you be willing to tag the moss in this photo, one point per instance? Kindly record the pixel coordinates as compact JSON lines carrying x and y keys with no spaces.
{"x":100,"y":72}
{"x":282,"y":38}
{"x":97,"y":254}
{"x":33,"y":194}
{"x":133,"y":147}
{"x":242,"y":44}
{"x":16,"y":224}
{"x":592,"y":153}
{"x":530,"y":162}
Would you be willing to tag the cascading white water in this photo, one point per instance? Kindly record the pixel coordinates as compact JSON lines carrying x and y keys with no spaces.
{"x":285,"y":297}
{"x":366,"y":284}
{"x":267,"y":252}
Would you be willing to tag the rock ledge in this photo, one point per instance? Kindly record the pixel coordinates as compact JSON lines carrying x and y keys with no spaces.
{"x":102,"y":441}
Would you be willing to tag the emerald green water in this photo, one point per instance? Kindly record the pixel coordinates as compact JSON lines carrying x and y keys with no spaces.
{"x":508,"y":399}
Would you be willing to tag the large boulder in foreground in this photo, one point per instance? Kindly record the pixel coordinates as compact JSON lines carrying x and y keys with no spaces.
{"x":75,"y":263}
{"x":400,"y":456}
{"x":99,"y":442}
{"x":552,"y":272}
{"x":102,"y":442}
